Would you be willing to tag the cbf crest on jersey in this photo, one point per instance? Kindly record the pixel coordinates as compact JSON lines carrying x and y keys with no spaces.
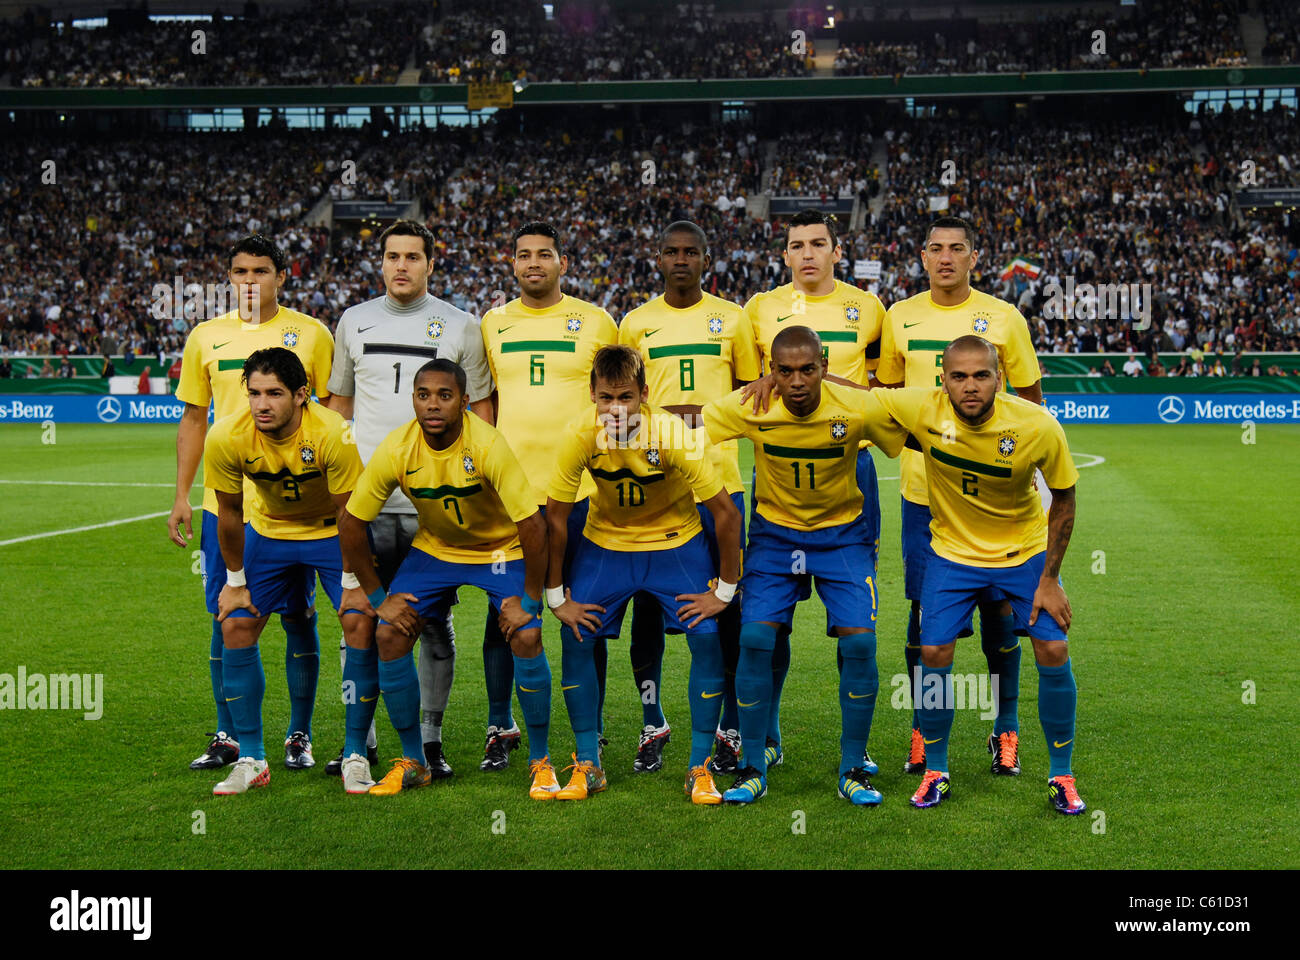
{"x":468,"y":463}
{"x":980,"y":324}
{"x":652,"y":454}
{"x":715,"y":325}
{"x":434,"y":329}
{"x":573,"y":324}
{"x":851,"y":313}
{"x":290,"y":338}
{"x":839,"y":428}
{"x":1006,"y":445}
{"x":307,"y":452}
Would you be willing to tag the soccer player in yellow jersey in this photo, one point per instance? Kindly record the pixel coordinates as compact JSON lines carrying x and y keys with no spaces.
{"x":917,"y":330}
{"x":643,"y":534}
{"x":211,"y":370}
{"x":540,"y":347}
{"x":478,"y":527}
{"x":696,"y":347}
{"x":848,"y":321}
{"x":807,"y":524}
{"x":300,"y":466}
{"x":981,"y":448}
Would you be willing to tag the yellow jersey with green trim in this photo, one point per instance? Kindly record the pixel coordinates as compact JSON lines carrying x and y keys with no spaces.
{"x":911,"y":353}
{"x":469,"y":497}
{"x":807,"y":466}
{"x":212,"y":365}
{"x":847,"y":319}
{"x":290,"y":480}
{"x":985,"y":510}
{"x":693,"y":355}
{"x":541,"y":363}
{"x":643,"y":496}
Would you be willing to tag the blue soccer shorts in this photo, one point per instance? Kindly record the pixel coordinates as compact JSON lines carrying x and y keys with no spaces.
{"x":435,"y":581}
{"x":282,"y":573}
{"x":952,"y":590}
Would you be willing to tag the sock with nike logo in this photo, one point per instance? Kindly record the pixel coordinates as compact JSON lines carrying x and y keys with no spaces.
{"x":400,"y":686}
{"x":1002,"y":650}
{"x":360,"y":697}
{"x":936,"y":714}
{"x":245,"y":685}
{"x":859,"y":683}
{"x":1057,"y":696}
{"x":533,"y":684}
{"x":754,"y":691}
{"x":578,"y":684}
{"x":705,"y":691}
{"x":301,"y":669}
{"x":215,"y":651}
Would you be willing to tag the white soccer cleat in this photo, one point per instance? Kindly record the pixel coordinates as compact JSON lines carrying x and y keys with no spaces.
{"x":245,"y":773}
{"x":356,"y":774}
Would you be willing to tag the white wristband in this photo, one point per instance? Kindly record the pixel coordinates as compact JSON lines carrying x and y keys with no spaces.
{"x":555,"y":596}
{"x":236,"y":578}
{"x":725,"y":591}
{"x":350,"y":581}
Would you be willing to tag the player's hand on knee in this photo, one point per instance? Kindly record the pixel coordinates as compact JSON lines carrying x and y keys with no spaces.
{"x":761,"y":390}
{"x":513,"y":617}
{"x":575,"y":615}
{"x":234,"y":598}
{"x":397,"y":610}
{"x":1051,"y":597}
{"x":354,"y":598}
{"x":700,"y":606}
{"x":180,"y":517}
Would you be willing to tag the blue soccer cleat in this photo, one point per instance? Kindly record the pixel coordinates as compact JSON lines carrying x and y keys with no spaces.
{"x":868,"y":765}
{"x":750,"y":786}
{"x":773,"y":754}
{"x":932,"y":791}
{"x":857,"y":789}
{"x":1065,"y":798}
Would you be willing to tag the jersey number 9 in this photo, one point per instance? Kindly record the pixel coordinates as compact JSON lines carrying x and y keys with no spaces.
{"x":291,"y":491}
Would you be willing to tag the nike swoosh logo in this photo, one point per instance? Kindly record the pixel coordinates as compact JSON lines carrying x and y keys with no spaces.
{"x":297,"y":655}
{"x":254,"y":460}
{"x":1055,"y":744}
{"x":1009,"y":649}
{"x":233,"y":699}
{"x":370,"y":699}
{"x":935,"y":740}
{"x":786,"y":317}
{"x":913,"y":324}
{"x":937,"y":433}
{"x":504,"y":329}
{"x":218,"y":346}
{"x":710,"y":696}
{"x":741,"y":703}
{"x":765,"y":429}
{"x":416,"y":470}
{"x":574,"y":687}
{"x":364,"y":329}
{"x":526,"y":690}
{"x":860,"y":696}
{"x":651,"y":333}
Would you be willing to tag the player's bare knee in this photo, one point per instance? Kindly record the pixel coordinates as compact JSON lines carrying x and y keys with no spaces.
{"x":1050,"y":653}
{"x":939,"y":656}
{"x":392,"y":642}
{"x":358,"y":631}
{"x":526,"y":644}
{"x":240,"y":632}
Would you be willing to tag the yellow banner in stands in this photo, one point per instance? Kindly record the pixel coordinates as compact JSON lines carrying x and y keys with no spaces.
{"x":483,"y":94}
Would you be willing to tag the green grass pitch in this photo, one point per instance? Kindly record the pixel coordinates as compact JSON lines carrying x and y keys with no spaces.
{"x":1193,"y":616}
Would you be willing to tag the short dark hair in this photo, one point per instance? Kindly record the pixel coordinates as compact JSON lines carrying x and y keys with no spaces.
{"x":538,"y":228}
{"x":618,"y":363}
{"x":257,"y":245}
{"x":685,"y":226}
{"x":952,"y":223}
{"x":443,"y":365}
{"x":407,"y":228}
{"x":970,"y":342}
{"x":283,"y":364}
{"x":810,"y":218}
{"x":793,"y":338}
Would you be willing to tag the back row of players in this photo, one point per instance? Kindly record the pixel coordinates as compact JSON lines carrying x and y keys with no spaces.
{"x":596,"y":468}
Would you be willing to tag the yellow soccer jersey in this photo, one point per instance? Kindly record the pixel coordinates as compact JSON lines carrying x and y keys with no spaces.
{"x":807,"y":466}
{"x":986,"y":512}
{"x":911,"y":353}
{"x":292,"y":479}
{"x":848,"y":320}
{"x":468,"y":497}
{"x":643,"y":497}
{"x":693,"y":356}
{"x":213,"y":362}
{"x":541,"y":363}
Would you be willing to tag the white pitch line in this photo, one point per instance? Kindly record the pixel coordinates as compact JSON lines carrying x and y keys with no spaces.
{"x":1096,"y":460}
{"x":93,"y":526}
{"x":81,"y":483}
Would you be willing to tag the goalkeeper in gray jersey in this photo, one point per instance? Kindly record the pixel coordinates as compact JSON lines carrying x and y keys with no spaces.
{"x":378,"y":347}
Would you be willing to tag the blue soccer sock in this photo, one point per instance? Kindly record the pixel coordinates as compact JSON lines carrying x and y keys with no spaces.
{"x":360,"y":697}
{"x":533,"y":684}
{"x":936,"y":714}
{"x":754,"y":691}
{"x":647,"y":653}
{"x":302,"y":669}
{"x":400,"y":686}
{"x":729,"y":640}
{"x":780,"y":667}
{"x":215,"y":650}
{"x":578,"y":681}
{"x":1002,"y":651}
{"x":600,"y":656}
{"x":1057,"y":698}
{"x":859,"y":683}
{"x":704,"y":689}
{"x":498,"y":672}
{"x":245,"y":685}
{"x":912,"y":654}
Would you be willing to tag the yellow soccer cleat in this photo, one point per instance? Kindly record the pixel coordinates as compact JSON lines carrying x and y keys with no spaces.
{"x":587,"y":779}
{"x":700,"y":786}
{"x":405,"y":775}
{"x":543,"y":785}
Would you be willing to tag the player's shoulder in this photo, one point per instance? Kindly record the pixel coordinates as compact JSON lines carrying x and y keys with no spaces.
{"x":766,"y":298}
{"x":497,"y":315}
{"x":729,"y":307}
{"x":917,"y":301}
{"x":355,"y":314}
{"x":228,"y":429}
{"x":290,"y":315}
{"x":999,"y":307}
{"x":329,"y":420}
{"x":636,"y":318}
{"x":570,"y":304}
{"x":1018,"y":408}
{"x":202,"y":332}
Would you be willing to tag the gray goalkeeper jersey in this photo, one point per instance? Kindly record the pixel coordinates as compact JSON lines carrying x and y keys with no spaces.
{"x":379,"y":346}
